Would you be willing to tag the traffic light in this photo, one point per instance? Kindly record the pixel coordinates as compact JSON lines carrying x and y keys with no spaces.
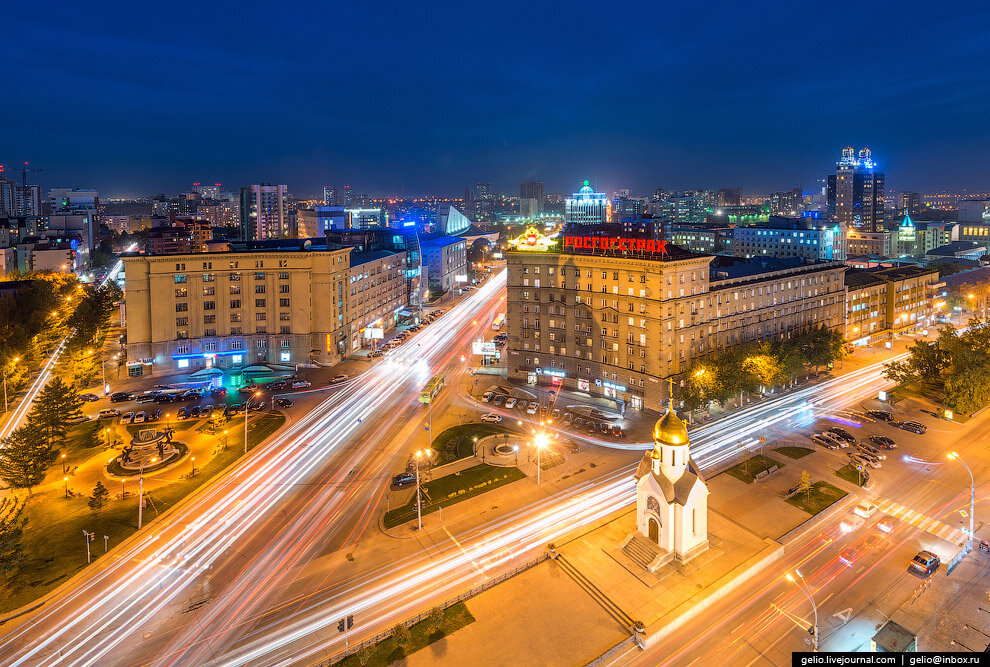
{"x":340,"y":626}
{"x":350,"y":621}
{"x":811,"y":630}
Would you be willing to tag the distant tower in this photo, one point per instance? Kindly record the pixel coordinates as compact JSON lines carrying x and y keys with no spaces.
{"x":855,"y":192}
{"x":587,"y":207}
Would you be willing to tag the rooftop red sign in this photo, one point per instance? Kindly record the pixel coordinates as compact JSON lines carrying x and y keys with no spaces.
{"x":617,"y":243}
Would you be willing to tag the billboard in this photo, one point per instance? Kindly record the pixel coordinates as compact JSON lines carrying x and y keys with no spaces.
{"x":481,"y":347}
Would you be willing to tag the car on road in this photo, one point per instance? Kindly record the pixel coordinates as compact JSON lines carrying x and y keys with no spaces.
{"x":88,"y":397}
{"x":277,"y":384}
{"x":79,"y":419}
{"x":851,"y":522}
{"x":842,"y":433}
{"x":119,"y":397}
{"x":491,"y":418}
{"x":555,"y":414}
{"x":487,"y":396}
{"x":218,"y":392}
{"x":865,"y":416}
{"x":499,"y":400}
{"x":881,"y":415}
{"x":533,"y":407}
{"x":924,"y":563}
{"x":107,"y":413}
{"x":866,"y":509}
{"x":912,"y":426}
{"x":127,"y":418}
{"x":510,"y":402}
{"x":617,"y":431}
{"x":139,"y":417}
{"x":828,"y":443}
{"x":887,"y":524}
{"x":883,"y":442}
{"x":146,"y":398}
{"x":403,"y":479}
{"x":342,"y":377}
{"x":850,"y":555}
{"x":304,"y":384}
{"x":183,"y":413}
{"x":579,"y":422}
{"x":605,"y":428}
{"x":166,"y":398}
{"x":375,"y":353}
{"x":568,"y":417}
{"x":866,"y":448}
{"x":283,"y":403}
{"x":163,"y":386}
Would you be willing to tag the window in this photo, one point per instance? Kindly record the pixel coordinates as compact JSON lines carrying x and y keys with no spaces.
{"x":209,"y":319}
{"x":284,"y":303}
{"x":210,"y":332}
{"x":283,"y":289}
{"x":180,"y":278}
{"x":181,"y":335}
{"x":181,"y":292}
{"x":284,"y":329}
{"x":237,"y":358}
{"x":286,"y":343}
{"x":235,"y":303}
{"x":259,"y":303}
{"x":261,"y":329}
{"x":235,"y":317}
{"x":209,"y":305}
{"x":261,"y":344}
{"x":235,"y":331}
{"x":181,"y":321}
{"x":180,"y":267}
{"x":235,"y":289}
{"x":235,"y":277}
{"x":259,"y":275}
{"x":259,"y":289}
{"x":209,"y":277}
{"x":283,"y":275}
{"x":236,"y":345}
{"x":260,"y":317}
{"x":182,"y":307}
{"x":209,"y":291}
{"x":284,"y":317}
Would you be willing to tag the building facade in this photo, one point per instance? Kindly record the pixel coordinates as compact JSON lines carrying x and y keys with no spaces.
{"x":885,"y":302}
{"x":860,"y":243}
{"x":615,"y":323}
{"x":586,"y":207}
{"x":263,"y":212}
{"x":855,"y":191}
{"x":790,"y":237}
{"x":377,"y":293}
{"x":445,"y":260}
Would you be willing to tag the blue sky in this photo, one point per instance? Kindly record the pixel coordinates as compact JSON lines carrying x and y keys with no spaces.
{"x":140,"y":98}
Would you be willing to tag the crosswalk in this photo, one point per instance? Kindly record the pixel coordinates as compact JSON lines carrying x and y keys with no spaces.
{"x":937,"y":528}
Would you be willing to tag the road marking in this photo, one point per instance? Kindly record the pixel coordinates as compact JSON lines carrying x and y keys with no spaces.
{"x":827,"y":597}
{"x":845,"y":614}
{"x":737,"y":628}
{"x":473,"y":562}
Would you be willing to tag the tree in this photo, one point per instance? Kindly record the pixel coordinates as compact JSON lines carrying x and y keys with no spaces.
{"x":436,"y":620}
{"x":401,"y":635}
{"x":805,"y":483}
{"x":364,"y":656}
{"x":762,"y":364}
{"x":100,"y":497}
{"x":11,"y":534}
{"x":54,"y":406}
{"x":25,"y":458}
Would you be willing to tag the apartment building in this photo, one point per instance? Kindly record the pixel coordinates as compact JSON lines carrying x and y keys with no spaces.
{"x":886,"y":302}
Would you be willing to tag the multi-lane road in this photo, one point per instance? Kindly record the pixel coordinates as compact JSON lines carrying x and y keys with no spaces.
{"x":251,"y":570}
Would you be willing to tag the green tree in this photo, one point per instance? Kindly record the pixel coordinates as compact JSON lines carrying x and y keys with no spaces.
{"x":100,"y":497}
{"x":763,"y":365}
{"x":25,"y":458}
{"x":11,"y":534}
{"x":436,"y":620}
{"x":967,"y":389}
{"x":805,"y":483}
{"x":400,"y":634}
{"x":364,"y":656}
{"x":54,"y":406}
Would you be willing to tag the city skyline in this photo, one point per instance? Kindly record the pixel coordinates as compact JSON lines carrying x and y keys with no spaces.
{"x":226,"y":98}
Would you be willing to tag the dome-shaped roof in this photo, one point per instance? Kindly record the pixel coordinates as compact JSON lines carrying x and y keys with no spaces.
{"x":670,"y":430}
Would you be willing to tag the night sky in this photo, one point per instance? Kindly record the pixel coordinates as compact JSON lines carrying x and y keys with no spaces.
{"x":140,"y":98}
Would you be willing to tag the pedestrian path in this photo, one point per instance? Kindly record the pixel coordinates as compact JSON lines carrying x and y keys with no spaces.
{"x":928,"y":524}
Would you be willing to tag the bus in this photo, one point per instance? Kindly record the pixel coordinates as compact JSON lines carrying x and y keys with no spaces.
{"x":498,"y":322}
{"x":432,"y":388}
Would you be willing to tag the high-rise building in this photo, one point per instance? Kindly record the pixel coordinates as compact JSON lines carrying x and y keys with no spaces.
{"x":910,"y":203}
{"x":208,"y":190}
{"x":729,"y":196}
{"x":587,"y":207}
{"x":263,"y":214}
{"x":348,"y":196}
{"x":8,"y":198}
{"x":329,"y":195}
{"x":855,"y":191}
{"x":532,"y":190}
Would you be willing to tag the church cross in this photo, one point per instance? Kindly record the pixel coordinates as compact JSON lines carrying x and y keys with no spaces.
{"x":670,"y":385}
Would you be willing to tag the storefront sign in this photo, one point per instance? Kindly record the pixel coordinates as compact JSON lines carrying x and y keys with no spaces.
{"x":532,"y":240}
{"x":610,"y":385}
{"x":374,"y":332}
{"x":617,"y":243}
{"x":553,"y":373}
{"x":481,"y":347}
{"x":583,"y":385}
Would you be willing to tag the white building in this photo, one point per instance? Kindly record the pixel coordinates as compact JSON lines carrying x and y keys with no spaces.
{"x":263,"y":214}
{"x":671,"y":495}
{"x":587,"y":207}
{"x":790,"y":237}
{"x":445,"y":259}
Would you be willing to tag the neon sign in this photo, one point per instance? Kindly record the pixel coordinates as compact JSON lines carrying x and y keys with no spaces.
{"x":532,"y":240}
{"x":615,"y":243}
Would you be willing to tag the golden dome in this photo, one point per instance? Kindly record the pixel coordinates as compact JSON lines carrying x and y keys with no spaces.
{"x":670,"y":430}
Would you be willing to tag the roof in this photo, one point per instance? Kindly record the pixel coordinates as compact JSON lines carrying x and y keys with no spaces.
{"x":859,"y":278}
{"x":358,"y":258}
{"x":894,"y":637}
{"x":673,"y":492}
{"x":726,"y":267}
{"x":973,"y":277}
{"x":440,"y":241}
{"x":865,"y":277}
{"x":954,"y":247}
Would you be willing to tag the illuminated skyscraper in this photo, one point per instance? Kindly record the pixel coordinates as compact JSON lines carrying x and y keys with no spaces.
{"x":855,"y":191}
{"x":263,"y":212}
{"x":587,"y":207}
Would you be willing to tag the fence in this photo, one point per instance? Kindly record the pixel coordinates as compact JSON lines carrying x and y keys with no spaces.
{"x":470,"y":593}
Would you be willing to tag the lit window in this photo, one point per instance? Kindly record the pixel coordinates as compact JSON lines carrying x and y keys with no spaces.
{"x":284,"y":356}
{"x":183,"y":363}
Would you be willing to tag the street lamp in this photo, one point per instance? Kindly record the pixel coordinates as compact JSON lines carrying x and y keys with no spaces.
{"x":63,"y":463}
{"x":972,"y":495}
{"x":107,"y":431}
{"x":540,"y":441}
{"x":66,"y":480}
{"x":515,"y":448}
{"x":193,"y":473}
{"x":141,"y":493}
{"x":246,"y":404}
{"x":419,"y":503}
{"x":801,"y":583}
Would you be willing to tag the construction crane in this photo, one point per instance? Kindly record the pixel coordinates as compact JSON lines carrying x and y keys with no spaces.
{"x":24,"y":173}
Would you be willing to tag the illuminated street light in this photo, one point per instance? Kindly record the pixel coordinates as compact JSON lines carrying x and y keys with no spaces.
{"x":972,"y":495}
{"x":420,"y":453}
{"x":141,"y":493}
{"x":540,"y":441}
{"x":801,"y":583}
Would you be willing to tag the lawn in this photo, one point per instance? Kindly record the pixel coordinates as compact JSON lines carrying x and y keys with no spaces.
{"x":387,"y":652}
{"x":849,"y":473}
{"x":822,"y":495}
{"x":451,"y":489}
{"x":549,"y":459}
{"x":457,"y":442}
{"x":53,"y":542}
{"x":747,"y":470}
{"x":794,"y":452}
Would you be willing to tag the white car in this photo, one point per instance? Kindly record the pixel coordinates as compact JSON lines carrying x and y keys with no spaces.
{"x":866,"y":509}
{"x":107,"y":413}
{"x":491,"y":418}
{"x":78,"y":420}
{"x":336,"y":378}
{"x":139,"y":417}
{"x":488,"y":396}
{"x":127,"y":418}
{"x":302,"y":384}
{"x":533,"y":406}
{"x":510,"y":402}
{"x":851,"y":522}
{"x":834,"y":438}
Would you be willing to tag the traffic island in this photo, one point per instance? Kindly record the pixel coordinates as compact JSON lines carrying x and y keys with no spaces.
{"x":458,"y":442}
{"x":817,"y":498}
{"x":794,"y":452}
{"x":754,"y":468}
{"x":849,"y":473}
{"x":452,"y":489}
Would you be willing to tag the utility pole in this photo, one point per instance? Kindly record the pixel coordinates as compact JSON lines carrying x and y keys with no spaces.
{"x":87,"y":536}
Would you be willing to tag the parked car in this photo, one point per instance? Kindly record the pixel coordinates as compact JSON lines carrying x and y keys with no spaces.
{"x":277,"y":384}
{"x":881,"y":415}
{"x":604,"y":428}
{"x":165,"y":398}
{"x":248,"y":389}
{"x":925,"y":563}
{"x":510,"y":402}
{"x":183,"y":413}
{"x":154,"y":416}
{"x":863,"y":459}
{"x":579,"y":421}
{"x":194,"y":411}
{"x":556,"y":414}
{"x":871,"y":450}
{"x":842,"y":433}
{"x":107,"y":413}
{"x":499,"y":400}
{"x":217,"y":392}
{"x":139,"y":417}
{"x":127,"y":418}
{"x":375,"y":353}
{"x":883,"y":442}
{"x":283,"y":403}
{"x":828,"y":443}
{"x":146,"y":398}
{"x":491,"y":418}
{"x":88,"y":397}
{"x":336,"y":378}
{"x":234,"y":409}
{"x":617,"y":431}
{"x":866,"y":509}
{"x":912,"y":426}
{"x":568,"y":417}
{"x":304,"y":384}
{"x":834,"y":439}
{"x":533,"y":407}
{"x":404,"y":479}
{"x":119,"y":397}
{"x":163,"y":386}
{"x":79,"y":419}
{"x":488,"y":396}
{"x":190,"y":396}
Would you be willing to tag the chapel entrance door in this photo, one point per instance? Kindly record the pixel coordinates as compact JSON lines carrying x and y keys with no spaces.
{"x":654,"y":531}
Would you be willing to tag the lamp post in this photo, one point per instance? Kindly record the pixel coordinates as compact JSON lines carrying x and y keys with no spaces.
{"x":107,"y":431}
{"x":246,"y":404}
{"x":802,"y":585}
{"x":419,"y":502}
{"x":66,"y":480}
{"x":141,"y":494}
{"x":972,"y":495}
{"x":193,"y":473}
{"x":515,"y":448}
{"x":63,"y":463}
{"x":540,"y":441}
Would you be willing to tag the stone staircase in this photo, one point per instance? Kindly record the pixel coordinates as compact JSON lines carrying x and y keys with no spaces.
{"x":641,"y":551}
